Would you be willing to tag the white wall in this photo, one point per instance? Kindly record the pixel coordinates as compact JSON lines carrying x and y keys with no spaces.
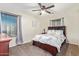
{"x":28,"y":32}
{"x":72,"y":21}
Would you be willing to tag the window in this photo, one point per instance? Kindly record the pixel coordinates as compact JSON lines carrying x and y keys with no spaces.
{"x":57,"y":22}
{"x":8,"y":24}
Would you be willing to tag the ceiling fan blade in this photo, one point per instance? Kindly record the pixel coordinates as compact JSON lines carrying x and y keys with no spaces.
{"x":36,"y":10}
{"x":50,"y":6}
{"x":49,"y":12}
{"x":40,"y":5}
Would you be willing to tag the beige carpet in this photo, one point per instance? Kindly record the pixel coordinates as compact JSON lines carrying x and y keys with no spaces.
{"x":30,"y":50}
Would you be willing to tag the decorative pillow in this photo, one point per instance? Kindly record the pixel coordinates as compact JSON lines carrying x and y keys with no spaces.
{"x":51,"y":32}
{"x":59,"y":32}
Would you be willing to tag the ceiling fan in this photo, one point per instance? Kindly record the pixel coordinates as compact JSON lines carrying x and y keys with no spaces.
{"x":44,"y":8}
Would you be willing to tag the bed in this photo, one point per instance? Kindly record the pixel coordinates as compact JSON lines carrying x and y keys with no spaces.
{"x":50,"y":48}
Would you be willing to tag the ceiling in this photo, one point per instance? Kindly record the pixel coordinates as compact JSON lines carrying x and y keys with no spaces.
{"x":33,"y":6}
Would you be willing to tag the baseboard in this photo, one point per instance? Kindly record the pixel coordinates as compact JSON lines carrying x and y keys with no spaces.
{"x":12,"y":46}
{"x":27,"y":42}
{"x":73,"y":43}
{"x":22,"y":43}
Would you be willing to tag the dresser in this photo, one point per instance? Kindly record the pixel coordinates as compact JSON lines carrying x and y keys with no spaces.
{"x":4,"y":47}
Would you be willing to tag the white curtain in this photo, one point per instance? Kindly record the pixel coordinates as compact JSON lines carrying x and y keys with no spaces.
{"x":19,"y":39}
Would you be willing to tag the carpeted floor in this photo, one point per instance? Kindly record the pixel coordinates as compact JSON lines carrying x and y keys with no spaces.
{"x":30,"y":50}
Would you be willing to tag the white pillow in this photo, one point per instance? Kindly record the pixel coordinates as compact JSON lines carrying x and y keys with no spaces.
{"x":59,"y":32}
{"x":50,"y":32}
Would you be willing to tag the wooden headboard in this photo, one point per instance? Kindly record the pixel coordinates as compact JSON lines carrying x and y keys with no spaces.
{"x":58,"y":28}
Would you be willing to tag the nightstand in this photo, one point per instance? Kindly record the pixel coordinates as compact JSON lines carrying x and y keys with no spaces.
{"x":43,"y":33}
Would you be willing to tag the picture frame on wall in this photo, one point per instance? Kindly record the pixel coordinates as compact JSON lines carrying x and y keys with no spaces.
{"x":34,"y":24}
